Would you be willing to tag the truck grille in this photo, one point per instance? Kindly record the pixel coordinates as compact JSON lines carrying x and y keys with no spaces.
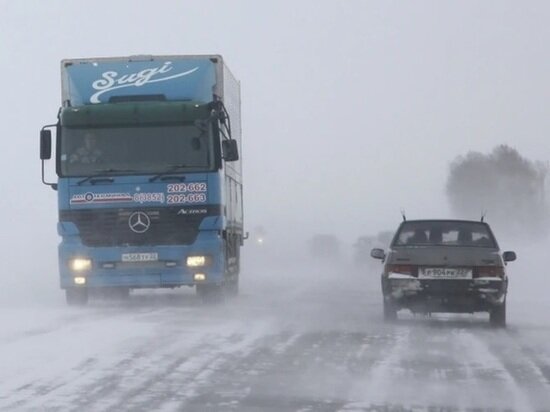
{"x":166,"y":226}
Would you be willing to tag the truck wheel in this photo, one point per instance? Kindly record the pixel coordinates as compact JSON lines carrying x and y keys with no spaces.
{"x":497,"y":316}
{"x":390,"y":311}
{"x":210,"y":294}
{"x":232,"y":287}
{"x":119,"y":293}
{"x":232,"y":263}
{"x":76,"y":296}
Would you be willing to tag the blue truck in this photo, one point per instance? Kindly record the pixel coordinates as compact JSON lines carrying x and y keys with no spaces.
{"x":149,"y":179}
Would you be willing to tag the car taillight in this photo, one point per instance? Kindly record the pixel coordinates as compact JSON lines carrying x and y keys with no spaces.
{"x":403,"y":269}
{"x":489,"y":271}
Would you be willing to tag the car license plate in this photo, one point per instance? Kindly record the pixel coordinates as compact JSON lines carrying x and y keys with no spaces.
{"x":140,"y":257}
{"x":445,"y":273}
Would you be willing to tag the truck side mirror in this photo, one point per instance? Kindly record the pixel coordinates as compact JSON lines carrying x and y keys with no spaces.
{"x":509,"y":256}
{"x":45,"y":144}
{"x":230,"y":150}
{"x":378,"y":253}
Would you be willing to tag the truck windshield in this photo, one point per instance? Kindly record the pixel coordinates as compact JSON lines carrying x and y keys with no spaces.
{"x":141,"y":150}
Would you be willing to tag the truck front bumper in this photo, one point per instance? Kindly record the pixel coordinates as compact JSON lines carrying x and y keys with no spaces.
{"x":165,"y":267}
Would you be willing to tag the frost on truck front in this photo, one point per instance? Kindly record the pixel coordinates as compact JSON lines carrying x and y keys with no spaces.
{"x":147,"y":196}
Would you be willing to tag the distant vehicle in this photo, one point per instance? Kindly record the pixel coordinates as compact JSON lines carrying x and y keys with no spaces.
{"x":364,"y":244}
{"x":384,"y":238}
{"x":445,"y":266}
{"x":259,"y":235}
{"x":324,"y":246}
{"x":361,"y":249}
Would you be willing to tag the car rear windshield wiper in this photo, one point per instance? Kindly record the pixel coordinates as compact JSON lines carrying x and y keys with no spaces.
{"x":99,"y":173}
{"x":171,"y":169}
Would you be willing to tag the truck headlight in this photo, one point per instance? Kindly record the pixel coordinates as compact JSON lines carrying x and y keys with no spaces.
{"x":80,"y":264}
{"x":199,"y":277}
{"x":197,"y":261}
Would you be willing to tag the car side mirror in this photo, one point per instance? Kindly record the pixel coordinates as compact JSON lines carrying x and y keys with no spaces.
{"x":378,"y":253}
{"x":509,"y":256}
{"x":230,"y":150}
{"x":45,"y":144}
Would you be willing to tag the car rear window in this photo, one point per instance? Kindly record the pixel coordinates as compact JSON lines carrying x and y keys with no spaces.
{"x":443,"y":233}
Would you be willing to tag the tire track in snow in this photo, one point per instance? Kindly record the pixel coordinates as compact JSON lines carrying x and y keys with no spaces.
{"x":233,"y":382}
{"x":488,"y":374}
{"x":439,"y":365}
{"x":154,"y":334}
{"x":373,"y":385}
{"x":525,"y":370}
{"x":537,"y":354}
{"x":288,"y":372}
{"x":155,"y":379}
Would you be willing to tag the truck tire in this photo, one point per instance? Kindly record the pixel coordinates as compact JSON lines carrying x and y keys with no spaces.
{"x":76,"y":296}
{"x":232,"y":266}
{"x":232,"y":287}
{"x":497,"y":316}
{"x":210,"y":294}
{"x":121,"y":293}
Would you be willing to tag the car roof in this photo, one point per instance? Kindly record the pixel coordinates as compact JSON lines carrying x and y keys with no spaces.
{"x":445,"y":220}
{"x":478,"y":222}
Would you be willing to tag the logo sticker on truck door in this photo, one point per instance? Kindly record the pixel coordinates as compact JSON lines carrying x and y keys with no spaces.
{"x":90,"y":197}
{"x":176,"y":194}
{"x":139,"y":197}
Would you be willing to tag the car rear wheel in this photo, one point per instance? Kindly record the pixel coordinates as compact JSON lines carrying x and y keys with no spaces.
{"x":390,"y":311}
{"x":497,"y":316}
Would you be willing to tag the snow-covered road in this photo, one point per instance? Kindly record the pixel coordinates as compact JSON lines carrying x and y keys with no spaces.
{"x":295,"y":340}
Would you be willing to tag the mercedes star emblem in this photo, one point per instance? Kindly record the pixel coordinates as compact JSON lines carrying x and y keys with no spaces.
{"x":139,"y":222}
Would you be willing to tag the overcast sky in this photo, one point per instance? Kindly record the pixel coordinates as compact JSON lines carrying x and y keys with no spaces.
{"x":352,"y":110}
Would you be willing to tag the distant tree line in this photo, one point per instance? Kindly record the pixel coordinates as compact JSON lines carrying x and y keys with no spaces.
{"x":509,"y":188}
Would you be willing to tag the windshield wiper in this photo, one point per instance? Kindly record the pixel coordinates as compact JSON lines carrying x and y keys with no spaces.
{"x":171,"y":169}
{"x":99,"y":173}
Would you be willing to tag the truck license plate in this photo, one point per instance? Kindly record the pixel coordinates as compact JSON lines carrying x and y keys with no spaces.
{"x":445,"y":273}
{"x":140,"y":257}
